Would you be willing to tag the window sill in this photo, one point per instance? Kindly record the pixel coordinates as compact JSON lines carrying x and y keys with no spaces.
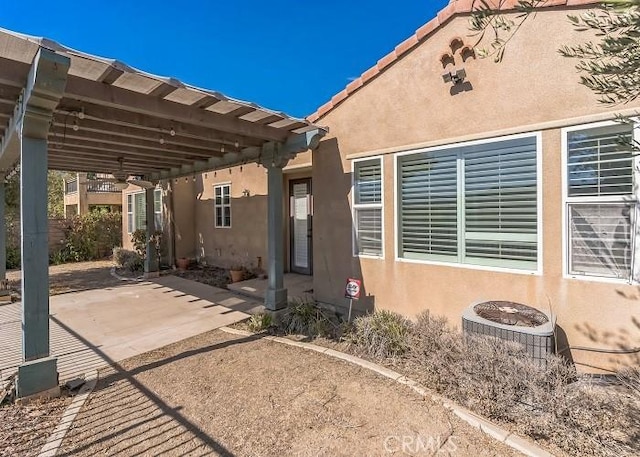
{"x":600,"y":279}
{"x":468,"y":266}
{"x":372,"y":257}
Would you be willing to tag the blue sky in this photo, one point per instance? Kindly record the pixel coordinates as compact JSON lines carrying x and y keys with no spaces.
{"x":289,"y":55}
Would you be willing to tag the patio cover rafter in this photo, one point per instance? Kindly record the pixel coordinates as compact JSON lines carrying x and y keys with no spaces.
{"x":157,"y":126}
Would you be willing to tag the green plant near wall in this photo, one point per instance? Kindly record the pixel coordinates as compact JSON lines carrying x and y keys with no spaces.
{"x":260,"y":321}
{"x":13,"y":257}
{"x":90,"y":236}
{"x":139,"y":240}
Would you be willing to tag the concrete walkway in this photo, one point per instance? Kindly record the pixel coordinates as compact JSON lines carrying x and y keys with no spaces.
{"x":298,"y":286}
{"x":95,"y":328}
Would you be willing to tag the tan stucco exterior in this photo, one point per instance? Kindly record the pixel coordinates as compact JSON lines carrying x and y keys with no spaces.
{"x":245,"y":241}
{"x":533,"y":90}
{"x":405,"y":107}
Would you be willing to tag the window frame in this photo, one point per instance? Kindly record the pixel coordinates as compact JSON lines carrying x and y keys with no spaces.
{"x":538,"y":271}
{"x":567,"y":200}
{"x":358,"y":206}
{"x":132,"y":213}
{"x":131,"y":221}
{"x":221,"y":206}
{"x":157,"y":212}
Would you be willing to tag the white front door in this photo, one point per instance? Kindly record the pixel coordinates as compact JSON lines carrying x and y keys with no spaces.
{"x":300,"y":212}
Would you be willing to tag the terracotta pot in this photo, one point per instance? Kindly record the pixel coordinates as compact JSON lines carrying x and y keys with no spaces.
{"x":236,"y":275}
{"x":183,"y":263}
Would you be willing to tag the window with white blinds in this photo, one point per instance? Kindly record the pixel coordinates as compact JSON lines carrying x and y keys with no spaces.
{"x":137,"y":211}
{"x":428,"y":205}
{"x":501,"y":203}
{"x":600,"y":162}
{"x":367,"y":207}
{"x":601,"y":206}
{"x":475,"y":204}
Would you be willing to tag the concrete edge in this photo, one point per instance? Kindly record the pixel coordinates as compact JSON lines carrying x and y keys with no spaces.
{"x":51,"y":447}
{"x":122,"y":278}
{"x":487,"y":427}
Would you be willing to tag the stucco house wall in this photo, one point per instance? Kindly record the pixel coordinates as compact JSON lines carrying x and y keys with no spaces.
{"x":409,"y":106}
{"x":245,"y":242}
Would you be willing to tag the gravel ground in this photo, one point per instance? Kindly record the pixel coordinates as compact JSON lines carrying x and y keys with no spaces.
{"x":218,"y":394}
{"x":25,"y":428}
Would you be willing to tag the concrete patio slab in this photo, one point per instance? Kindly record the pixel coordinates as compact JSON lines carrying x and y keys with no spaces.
{"x":298,"y":286}
{"x":95,"y":328}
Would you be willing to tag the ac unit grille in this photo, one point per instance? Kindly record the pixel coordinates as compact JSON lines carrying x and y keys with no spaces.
{"x":538,"y":341}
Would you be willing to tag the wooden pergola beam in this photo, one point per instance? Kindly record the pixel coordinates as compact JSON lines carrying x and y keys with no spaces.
{"x":146,"y":147}
{"x":74,"y":153}
{"x":90,"y":125}
{"x":115,"y":120}
{"x":116,"y":98}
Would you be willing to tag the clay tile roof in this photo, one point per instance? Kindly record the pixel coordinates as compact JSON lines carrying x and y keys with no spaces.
{"x":455,"y":7}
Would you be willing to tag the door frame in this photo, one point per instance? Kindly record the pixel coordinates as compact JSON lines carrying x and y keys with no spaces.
{"x":292,"y":266}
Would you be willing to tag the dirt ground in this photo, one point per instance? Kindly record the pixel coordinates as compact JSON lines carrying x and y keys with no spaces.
{"x":218,"y":394}
{"x":73,"y":277}
{"x":25,"y":428}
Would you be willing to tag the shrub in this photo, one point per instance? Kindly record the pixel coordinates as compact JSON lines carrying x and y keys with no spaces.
{"x":260,"y":321}
{"x":14,"y":257}
{"x":139,"y":240}
{"x":499,"y":380}
{"x":60,"y":256}
{"x":382,"y":334}
{"x":92,"y":236}
{"x":630,"y":378}
{"x":130,"y":260}
{"x":306,"y":318}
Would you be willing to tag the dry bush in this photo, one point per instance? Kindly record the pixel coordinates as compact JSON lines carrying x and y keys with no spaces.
{"x":382,"y":334}
{"x":127,"y":259}
{"x":630,"y":378}
{"x":499,"y":380}
{"x":304,"y":317}
{"x":596,"y":421}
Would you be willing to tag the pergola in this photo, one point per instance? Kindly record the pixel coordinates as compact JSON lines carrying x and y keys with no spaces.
{"x":67,"y":110}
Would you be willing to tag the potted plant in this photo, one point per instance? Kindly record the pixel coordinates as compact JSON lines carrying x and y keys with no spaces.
{"x":183,"y":263}
{"x":236,"y":272}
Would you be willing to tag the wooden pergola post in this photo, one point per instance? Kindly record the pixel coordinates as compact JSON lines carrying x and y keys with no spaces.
{"x":26,"y":140}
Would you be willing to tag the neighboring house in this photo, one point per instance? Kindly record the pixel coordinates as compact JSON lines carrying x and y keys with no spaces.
{"x":90,"y":191}
{"x":439,"y":189}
